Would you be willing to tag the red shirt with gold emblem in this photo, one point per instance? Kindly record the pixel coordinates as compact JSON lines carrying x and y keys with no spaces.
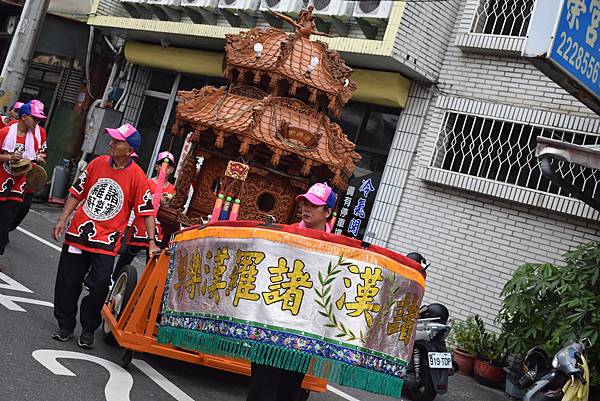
{"x":138,"y":235}
{"x":108,"y":195}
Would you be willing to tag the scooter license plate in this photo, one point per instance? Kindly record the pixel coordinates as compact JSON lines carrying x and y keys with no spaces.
{"x":440,"y":360}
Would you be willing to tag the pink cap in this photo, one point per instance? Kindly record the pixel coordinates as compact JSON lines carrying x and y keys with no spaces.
{"x":37,"y":109}
{"x":165,"y":155}
{"x":319,"y":194}
{"x":17,"y":105}
{"x":127,"y":133}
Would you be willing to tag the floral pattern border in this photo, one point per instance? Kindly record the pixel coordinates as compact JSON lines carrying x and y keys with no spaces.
{"x":285,"y":340}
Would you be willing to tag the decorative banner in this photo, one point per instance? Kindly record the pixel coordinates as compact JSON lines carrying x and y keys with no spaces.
{"x":293,"y":302}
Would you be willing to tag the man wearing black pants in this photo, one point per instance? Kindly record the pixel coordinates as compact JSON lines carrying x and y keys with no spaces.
{"x":108,"y":190}
{"x":68,"y":284}
{"x":22,"y":210}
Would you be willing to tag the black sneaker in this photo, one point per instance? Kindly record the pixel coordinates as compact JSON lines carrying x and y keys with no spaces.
{"x":86,"y":340}
{"x":62,"y":335}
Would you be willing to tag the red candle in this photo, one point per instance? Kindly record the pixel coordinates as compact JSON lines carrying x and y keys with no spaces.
{"x":217,"y":209}
{"x":235,"y":209}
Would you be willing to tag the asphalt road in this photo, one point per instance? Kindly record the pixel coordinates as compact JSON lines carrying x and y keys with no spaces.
{"x":30,"y":370}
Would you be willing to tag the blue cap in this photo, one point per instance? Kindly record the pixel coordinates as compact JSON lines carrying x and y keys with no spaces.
{"x":24,"y":110}
{"x":331,"y":200}
{"x":127,"y":133}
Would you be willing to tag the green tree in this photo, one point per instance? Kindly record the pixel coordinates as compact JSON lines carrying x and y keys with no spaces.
{"x":552,"y":305}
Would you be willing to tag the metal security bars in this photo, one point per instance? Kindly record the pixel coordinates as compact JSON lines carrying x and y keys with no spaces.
{"x":504,"y":151}
{"x":502,"y":17}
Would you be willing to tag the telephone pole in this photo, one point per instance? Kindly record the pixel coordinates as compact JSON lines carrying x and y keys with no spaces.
{"x":21,"y":49}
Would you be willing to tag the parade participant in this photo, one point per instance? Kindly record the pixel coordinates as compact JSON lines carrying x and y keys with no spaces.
{"x":317,"y":205}
{"x":274,"y":384}
{"x":109,"y":188}
{"x":40,"y":132}
{"x":12,"y":117}
{"x":138,"y":237}
{"x":18,"y":143}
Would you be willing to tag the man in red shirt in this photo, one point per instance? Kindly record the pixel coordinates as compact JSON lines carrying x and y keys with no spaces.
{"x":24,"y":207}
{"x":108,"y":190}
{"x":17,"y":141}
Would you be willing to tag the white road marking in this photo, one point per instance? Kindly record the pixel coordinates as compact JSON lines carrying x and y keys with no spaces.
{"x":10,"y":302}
{"x":341,"y":393}
{"x":119,"y":382}
{"x":13,"y":284}
{"x":40,"y":239}
{"x":162,"y":381}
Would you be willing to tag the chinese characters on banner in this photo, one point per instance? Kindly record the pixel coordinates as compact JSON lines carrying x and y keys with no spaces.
{"x":576,"y":46}
{"x":355,"y":205}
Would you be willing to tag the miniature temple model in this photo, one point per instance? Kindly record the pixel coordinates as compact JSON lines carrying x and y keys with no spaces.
{"x":274,"y":118}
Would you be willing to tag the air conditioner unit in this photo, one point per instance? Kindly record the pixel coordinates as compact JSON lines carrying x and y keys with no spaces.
{"x":200,"y":4}
{"x":248,"y":6}
{"x":283,"y":6}
{"x":166,"y":3}
{"x":339,"y":9}
{"x":373,"y":10}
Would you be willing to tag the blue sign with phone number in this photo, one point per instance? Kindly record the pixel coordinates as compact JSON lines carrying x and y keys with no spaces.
{"x":576,"y":46}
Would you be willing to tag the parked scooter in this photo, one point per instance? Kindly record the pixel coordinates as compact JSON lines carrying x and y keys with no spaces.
{"x":568,"y":365}
{"x":431,"y":363}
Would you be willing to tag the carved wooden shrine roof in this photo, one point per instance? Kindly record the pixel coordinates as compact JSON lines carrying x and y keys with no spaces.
{"x":287,"y":57}
{"x":286,"y":125}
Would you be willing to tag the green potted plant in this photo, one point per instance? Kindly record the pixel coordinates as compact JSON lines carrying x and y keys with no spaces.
{"x":463,"y":339}
{"x":487,"y":368}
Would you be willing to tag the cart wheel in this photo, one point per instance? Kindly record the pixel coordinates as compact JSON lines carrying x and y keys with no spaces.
{"x":126,"y":358}
{"x":118,"y":298}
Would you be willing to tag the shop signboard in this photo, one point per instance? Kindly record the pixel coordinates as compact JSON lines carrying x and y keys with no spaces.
{"x":564,"y":43}
{"x":354,"y":206}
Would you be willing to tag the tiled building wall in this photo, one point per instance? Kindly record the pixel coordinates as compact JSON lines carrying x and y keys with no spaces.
{"x":422,"y":39}
{"x":110,"y":7}
{"x":474,"y":242}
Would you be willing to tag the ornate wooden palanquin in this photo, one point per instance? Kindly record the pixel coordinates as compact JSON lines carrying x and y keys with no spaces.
{"x":274,"y":116}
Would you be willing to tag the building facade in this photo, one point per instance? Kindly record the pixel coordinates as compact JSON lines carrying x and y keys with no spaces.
{"x":466,"y":189}
{"x":446,"y":115}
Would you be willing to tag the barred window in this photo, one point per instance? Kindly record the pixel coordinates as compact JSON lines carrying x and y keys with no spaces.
{"x":503,"y":17}
{"x":504,"y":151}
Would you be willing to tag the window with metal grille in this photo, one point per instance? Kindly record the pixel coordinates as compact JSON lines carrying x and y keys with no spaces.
{"x":503,"y":17}
{"x":504,"y":151}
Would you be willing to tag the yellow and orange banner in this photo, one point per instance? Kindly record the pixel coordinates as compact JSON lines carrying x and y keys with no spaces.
{"x":293,"y":302}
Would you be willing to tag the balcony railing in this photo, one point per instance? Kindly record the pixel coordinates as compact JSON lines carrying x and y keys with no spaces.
{"x":504,"y":151}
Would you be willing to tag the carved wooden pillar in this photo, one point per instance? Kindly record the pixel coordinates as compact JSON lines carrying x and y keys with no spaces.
{"x":306,"y":168}
{"x":257,"y":77}
{"x":276,"y":157}
{"x":245,"y":146}
{"x":293,"y":88}
{"x":186,"y":176}
{"x":220,"y":140}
